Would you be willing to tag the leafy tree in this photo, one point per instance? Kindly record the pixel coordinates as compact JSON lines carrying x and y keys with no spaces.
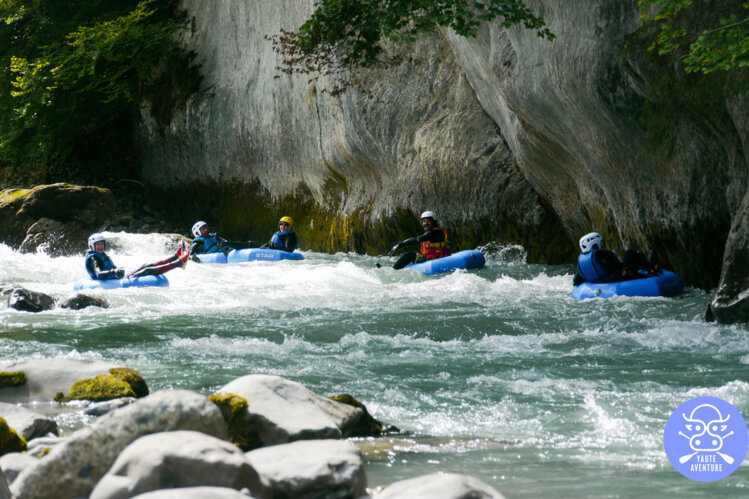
{"x":72,"y":77}
{"x":706,"y":35}
{"x":342,"y":33}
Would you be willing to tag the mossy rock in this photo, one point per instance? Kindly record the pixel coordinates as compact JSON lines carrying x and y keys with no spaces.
{"x":12,"y":378}
{"x":121,"y":382}
{"x":235,"y":410}
{"x":367,"y":426}
{"x":10,"y":441}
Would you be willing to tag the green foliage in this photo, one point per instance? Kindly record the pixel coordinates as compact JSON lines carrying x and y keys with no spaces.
{"x":72,"y":75}
{"x":706,"y":35}
{"x":342,"y":33}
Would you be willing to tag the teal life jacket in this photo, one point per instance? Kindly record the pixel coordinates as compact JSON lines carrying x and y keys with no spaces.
{"x":104,"y":260}
{"x":210,"y":243}
{"x":592,"y":271}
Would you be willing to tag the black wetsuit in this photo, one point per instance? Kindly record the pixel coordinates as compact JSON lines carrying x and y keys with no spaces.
{"x":95,"y":268}
{"x":284,"y":241}
{"x":433,"y":235}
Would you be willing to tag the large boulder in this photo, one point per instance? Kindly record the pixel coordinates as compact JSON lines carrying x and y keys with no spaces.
{"x":73,"y":468}
{"x":25,"y":300}
{"x":439,"y":486}
{"x":55,"y":238}
{"x":283,"y":411}
{"x":29,"y":424}
{"x":46,"y":377}
{"x":81,"y":301}
{"x":312,"y":468}
{"x":179,"y":459}
{"x":87,"y":206}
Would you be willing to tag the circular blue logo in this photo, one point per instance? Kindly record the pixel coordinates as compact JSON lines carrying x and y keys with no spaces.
{"x":706,"y":439}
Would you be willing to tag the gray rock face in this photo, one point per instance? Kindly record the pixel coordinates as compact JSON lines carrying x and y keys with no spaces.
{"x":319,"y":468}
{"x":46,"y":377}
{"x":284,"y":411}
{"x":73,"y":468}
{"x":405,"y":139}
{"x":507,"y":136}
{"x":178,"y":459}
{"x":27,"y":423}
{"x":438,"y":486}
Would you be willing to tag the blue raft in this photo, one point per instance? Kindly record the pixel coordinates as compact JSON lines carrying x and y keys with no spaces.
{"x":249,"y":255}
{"x":665,"y":283}
{"x":148,"y":280}
{"x":466,"y":259}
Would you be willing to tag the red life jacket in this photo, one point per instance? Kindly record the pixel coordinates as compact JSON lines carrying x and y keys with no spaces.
{"x":430,"y":251}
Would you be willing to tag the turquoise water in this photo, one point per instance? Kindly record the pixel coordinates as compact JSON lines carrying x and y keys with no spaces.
{"x":498,"y":373}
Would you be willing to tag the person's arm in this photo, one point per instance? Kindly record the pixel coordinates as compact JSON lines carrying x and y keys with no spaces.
{"x":609,"y":261}
{"x":92,"y":264}
{"x":406,"y":242}
{"x":432,"y":236}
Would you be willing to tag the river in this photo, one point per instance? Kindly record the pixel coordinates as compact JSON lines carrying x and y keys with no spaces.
{"x":495,"y":373}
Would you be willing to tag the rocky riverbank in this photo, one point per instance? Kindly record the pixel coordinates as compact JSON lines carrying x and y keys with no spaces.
{"x":258,"y":435}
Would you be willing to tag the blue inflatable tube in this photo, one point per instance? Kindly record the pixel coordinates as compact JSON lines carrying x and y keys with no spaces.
{"x":665,"y":283}
{"x":249,"y":255}
{"x":139,"y":282}
{"x":466,"y":259}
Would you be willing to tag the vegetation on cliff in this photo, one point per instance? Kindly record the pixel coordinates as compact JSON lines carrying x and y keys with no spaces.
{"x":72,"y":79}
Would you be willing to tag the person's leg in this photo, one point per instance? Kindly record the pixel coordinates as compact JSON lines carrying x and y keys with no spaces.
{"x":405,"y":259}
{"x":634,"y":261}
{"x":179,"y":259}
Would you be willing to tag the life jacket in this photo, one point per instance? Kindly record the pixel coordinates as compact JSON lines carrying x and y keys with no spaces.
{"x":592,"y":271}
{"x":104,"y":260}
{"x":276,"y":241}
{"x":430,"y":251}
{"x":210,"y":243}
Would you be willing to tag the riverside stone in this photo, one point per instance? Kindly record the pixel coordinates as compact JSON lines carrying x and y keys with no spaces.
{"x":439,"y":486}
{"x":81,"y":301}
{"x":87,"y":206}
{"x":179,"y":459}
{"x":46,"y":377}
{"x":14,"y":463}
{"x":73,"y":468}
{"x":29,"y":424}
{"x":313,"y":468}
{"x":283,"y":411}
{"x":194,"y":493}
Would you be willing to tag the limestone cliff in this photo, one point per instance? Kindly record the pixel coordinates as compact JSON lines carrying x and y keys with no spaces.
{"x":507,"y":136}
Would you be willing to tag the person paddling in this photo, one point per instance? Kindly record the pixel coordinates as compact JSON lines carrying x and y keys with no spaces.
{"x":210,"y":242}
{"x":435,"y":243}
{"x":285,"y":239}
{"x":100,"y":266}
{"x":595,"y":264}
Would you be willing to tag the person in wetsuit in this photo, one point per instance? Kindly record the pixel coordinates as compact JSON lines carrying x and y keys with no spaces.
{"x":435,"y":243}
{"x":595,"y":264}
{"x":285,"y":239}
{"x":206,"y":242}
{"x":100,"y":266}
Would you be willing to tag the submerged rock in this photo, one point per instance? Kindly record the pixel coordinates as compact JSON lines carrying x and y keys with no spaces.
{"x":81,"y":301}
{"x":25,"y":300}
{"x":179,"y":459}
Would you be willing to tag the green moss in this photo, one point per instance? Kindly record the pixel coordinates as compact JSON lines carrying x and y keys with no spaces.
{"x":235,"y":410}
{"x":10,"y":441}
{"x":121,"y":382}
{"x":12,"y":378}
{"x":367,"y":425}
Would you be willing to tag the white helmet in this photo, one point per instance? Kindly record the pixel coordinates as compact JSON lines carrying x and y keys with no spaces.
{"x":428,"y":214}
{"x":588,"y":241}
{"x":95,"y":238}
{"x":197,"y":226}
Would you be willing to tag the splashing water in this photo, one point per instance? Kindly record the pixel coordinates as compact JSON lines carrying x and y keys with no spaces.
{"x":495,"y":373}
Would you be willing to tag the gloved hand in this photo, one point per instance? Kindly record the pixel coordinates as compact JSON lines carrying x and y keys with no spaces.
{"x":119,"y":273}
{"x":394,"y":249}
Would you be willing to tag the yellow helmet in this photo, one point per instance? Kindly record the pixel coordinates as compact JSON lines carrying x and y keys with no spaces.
{"x":288,"y":220}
